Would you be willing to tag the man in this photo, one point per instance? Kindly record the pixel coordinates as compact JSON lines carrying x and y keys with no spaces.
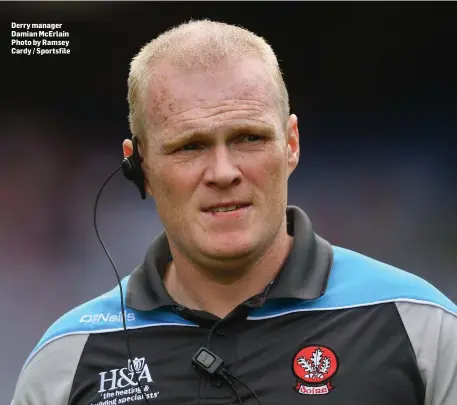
{"x":239,"y":300}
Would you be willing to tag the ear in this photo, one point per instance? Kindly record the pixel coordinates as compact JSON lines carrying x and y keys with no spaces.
{"x":293,"y":143}
{"x":127,"y":147}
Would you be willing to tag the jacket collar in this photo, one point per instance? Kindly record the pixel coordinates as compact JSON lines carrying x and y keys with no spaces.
{"x":303,"y":275}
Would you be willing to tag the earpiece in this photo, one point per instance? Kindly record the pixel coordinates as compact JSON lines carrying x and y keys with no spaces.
{"x":131,"y":167}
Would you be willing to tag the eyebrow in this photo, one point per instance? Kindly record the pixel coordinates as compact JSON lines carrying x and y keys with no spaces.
{"x":196,"y":135}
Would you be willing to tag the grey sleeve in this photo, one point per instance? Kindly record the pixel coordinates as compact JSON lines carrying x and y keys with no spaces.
{"x":433,"y":335}
{"x":48,"y":377}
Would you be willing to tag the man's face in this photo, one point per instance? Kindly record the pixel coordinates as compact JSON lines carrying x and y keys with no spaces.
{"x":218,"y":140}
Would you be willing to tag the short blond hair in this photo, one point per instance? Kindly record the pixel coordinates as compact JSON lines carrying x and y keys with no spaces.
{"x":193,"y":46}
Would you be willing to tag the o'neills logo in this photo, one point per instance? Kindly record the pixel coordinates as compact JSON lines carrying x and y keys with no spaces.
{"x":106,"y":318}
{"x":314,"y":366}
{"x":122,"y":378}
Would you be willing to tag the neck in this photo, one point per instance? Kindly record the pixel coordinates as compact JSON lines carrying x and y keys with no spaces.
{"x":219,"y":292}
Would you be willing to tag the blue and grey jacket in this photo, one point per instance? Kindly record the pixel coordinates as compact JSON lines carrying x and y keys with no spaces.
{"x":335,"y":327}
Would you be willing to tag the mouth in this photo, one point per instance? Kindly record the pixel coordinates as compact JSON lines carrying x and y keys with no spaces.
{"x":226,"y":208}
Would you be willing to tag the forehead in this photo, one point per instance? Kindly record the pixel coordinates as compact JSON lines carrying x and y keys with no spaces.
{"x":175,"y":96}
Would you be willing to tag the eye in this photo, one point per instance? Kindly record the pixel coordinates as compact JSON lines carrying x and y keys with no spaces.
{"x":251,"y":138}
{"x":190,"y":147}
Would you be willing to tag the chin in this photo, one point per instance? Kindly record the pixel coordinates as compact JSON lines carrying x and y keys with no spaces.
{"x":228,"y":247}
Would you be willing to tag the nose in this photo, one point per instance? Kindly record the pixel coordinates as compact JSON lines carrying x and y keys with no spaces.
{"x":222,"y":170}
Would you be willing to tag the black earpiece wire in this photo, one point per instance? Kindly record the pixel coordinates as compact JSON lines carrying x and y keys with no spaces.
{"x":230,"y":375}
{"x":124,"y":323}
{"x":229,"y":382}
